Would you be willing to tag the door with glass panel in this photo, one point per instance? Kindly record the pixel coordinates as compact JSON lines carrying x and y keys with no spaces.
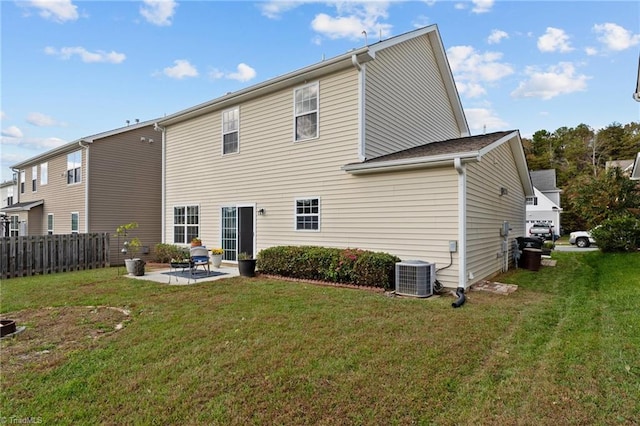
{"x":237,"y":231}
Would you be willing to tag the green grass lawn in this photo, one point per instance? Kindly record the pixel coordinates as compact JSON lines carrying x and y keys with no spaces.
{"x":563,"y":349}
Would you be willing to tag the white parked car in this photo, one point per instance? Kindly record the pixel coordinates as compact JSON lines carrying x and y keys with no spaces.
{"x":581,"y":239}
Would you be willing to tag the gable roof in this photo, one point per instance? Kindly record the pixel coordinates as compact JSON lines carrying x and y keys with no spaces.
{"x":544,"y":180}
{"x":442,"y":153}
{"x":354,"y":58}
{"x":635,"y":172}
{"x":23,"y":207}
{"x":71,"y":146}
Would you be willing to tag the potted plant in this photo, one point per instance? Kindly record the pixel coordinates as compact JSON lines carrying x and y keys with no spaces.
{"x":195,"y":242}
{"x":216,"y":257}
{"x":134,"y":265}
{"x":246,"y":265}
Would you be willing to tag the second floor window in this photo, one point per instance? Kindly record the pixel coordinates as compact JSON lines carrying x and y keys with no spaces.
{"x":230,"y":130}
{"x":532,"y":201}
{"x":44,"y":173}
{"x":23,"y":178}
{"x":34,"y":178}
{"x":306,"y":112}
{"x":74,"y":167}
{"x":9,"y":195}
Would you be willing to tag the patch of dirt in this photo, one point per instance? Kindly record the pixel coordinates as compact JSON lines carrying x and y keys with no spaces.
{"x":52,"y":333}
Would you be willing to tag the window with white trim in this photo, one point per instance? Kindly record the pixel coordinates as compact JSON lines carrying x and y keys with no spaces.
{"x":9,"y":195}
{"x":23,"y":179}
{"x":532,"y":201}
{"x":308,"y":214}
{"x":230,"y":130}
{"x":50,"y":224}
{"x":74,"y":167}
{"x":306,"y":112}
{"x":75,"y":222}
{"x":186,"y":224}
{"x":34,"y":178}
{"x":44,"y":173}
{"x":14,"y":226}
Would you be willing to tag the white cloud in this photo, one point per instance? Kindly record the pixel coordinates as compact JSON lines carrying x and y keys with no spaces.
{"x":86,"y":56}
{"x":496,"y":36}
{"x":481,"y":119}
{"x":158,"y":12}
{"x":57,"y":11}
{"x":482,"y":6}
{"x":2,"y":115}
{"x":352,"y":19}
{"x":471,"y":69}
{"x":40,"y":120}
{"x":38,"y":144}
{"x":421,"y":21}
{"x":554,"y":40}
{"x":275,"y":9}
{"x":616,"y":37}
{"x":181,"y":69}
{"x":244,"y":73}
{"x":591,"y":51}
{"x":560,"y":79}
{"x":12,"y":132}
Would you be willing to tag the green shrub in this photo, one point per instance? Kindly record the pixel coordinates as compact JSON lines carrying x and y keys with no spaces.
{"x":619,"y":234}
{"x":163,"y":253}
{"x":353,"y":266}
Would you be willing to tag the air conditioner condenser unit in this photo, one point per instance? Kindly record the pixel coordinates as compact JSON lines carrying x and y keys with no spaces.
{"x":415,"y":278}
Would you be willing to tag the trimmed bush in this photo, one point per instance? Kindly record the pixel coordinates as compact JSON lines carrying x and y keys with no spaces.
{"x":350,"y":266}
{"x":619,"y":234}
{"x":163,"y":253}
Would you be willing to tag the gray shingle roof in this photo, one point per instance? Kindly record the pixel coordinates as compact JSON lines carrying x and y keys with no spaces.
{"x":450,"y":146}
{"x":544,"y":180}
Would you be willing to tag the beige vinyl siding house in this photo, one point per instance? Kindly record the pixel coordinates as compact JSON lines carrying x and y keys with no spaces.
{"x":94,"y":184}
{"x":386,"y":168}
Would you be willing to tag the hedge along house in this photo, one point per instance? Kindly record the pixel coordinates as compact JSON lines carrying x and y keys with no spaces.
{"x":369,"y":150}
{"x":93,"y":185}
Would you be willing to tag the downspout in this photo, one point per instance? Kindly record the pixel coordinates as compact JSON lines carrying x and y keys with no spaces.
{"x":162,"y":179}
{"x":86,"y":186}
{"x":361,"y":102}
{"x":462,"y":231}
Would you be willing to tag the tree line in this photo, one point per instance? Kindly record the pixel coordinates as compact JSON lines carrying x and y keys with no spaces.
{"x":591,"y":193}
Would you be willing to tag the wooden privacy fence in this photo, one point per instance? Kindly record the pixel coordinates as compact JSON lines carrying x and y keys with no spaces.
{"x":47,"y":254}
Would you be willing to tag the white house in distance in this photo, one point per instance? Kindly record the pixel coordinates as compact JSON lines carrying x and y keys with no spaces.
{"x":368,"y":150}
{"x":544,"y":206}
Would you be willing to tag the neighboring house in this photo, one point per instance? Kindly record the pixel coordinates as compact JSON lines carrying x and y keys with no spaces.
{"x":7,"y":191}
{"x":625,"y":166}
{"x":366,"y":150}
{"x":92,"y":185}
{"x":544,"y":206}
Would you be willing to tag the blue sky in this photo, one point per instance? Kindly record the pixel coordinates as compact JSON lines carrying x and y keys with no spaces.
{"x":71,"y":69}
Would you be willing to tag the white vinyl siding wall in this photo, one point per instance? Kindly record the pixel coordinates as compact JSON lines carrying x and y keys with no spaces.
{"x":486,"y":210}
{"x":406,"y":103}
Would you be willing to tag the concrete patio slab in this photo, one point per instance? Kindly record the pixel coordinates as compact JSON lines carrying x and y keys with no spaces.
{"x":178,"y":277}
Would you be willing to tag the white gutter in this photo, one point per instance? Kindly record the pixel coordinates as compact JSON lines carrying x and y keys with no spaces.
{"x":86,"y":185}
{"x":410,"y":163}
{"x":163,"y":180}
{"x":462,"y":222}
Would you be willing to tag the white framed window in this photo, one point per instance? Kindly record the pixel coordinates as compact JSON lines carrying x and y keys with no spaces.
{"x":9,"y":195}
{"x":34,"y":178}
{"x":532,"y":201}
{"x":305,"y":107}
{"x":75,"y":222}
{"x":44,"y":173}
{"x":50,"y":224}
{"x":307,"y":214}
{"x":230,"y":130}
{"x":23,"y":178}
{"x":14,"y":226}
{"x":74,"y":167}
{"x":186,"y":224}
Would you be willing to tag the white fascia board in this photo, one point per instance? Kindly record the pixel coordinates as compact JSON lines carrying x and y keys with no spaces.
{"x":410,"y":163}
{"x":515,"y":144}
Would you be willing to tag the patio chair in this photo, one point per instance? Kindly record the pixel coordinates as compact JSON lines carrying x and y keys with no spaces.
{"x":199,"y":257}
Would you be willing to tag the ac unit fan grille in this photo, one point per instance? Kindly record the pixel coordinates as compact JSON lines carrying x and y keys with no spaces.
{"x":415,"y":278}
